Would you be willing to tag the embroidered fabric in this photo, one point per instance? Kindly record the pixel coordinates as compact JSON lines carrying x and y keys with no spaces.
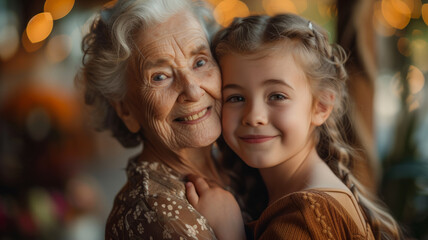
{"x":153,"y":205}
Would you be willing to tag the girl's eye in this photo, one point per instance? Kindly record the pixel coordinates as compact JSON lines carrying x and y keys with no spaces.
{"x":200,"y":63}
{"x":159,"y":77}
{"x":233,"y":99}
{"x":277,"y":97}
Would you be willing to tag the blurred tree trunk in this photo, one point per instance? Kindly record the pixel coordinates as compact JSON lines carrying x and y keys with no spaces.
{"x":355,"y":34}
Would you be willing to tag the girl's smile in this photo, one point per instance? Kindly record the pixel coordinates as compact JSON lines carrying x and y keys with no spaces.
{"x":256,"y":138}
{"x":267,"y":107}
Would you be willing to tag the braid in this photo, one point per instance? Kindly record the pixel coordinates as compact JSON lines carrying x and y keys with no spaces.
{"x":324,"y":66}
{"x":341,"y":155}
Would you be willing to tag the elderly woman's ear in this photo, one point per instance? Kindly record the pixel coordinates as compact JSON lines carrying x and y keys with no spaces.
{"x":125,"y":113}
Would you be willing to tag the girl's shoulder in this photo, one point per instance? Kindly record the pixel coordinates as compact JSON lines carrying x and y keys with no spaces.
{"x":314,"y":213}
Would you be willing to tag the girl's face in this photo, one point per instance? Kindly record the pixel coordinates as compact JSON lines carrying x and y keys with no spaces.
{"x":267,"y":111}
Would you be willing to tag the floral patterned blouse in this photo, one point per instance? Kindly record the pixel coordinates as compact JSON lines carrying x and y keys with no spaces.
{"x":153,"y":205}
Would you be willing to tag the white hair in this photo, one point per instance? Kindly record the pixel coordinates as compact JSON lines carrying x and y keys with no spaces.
{"x":109,"y":45}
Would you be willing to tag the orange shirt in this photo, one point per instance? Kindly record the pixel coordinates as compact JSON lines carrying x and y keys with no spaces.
{"x":313,"y":214}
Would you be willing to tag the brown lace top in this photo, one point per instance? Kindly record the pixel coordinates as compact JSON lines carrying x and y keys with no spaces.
{"x":312,"y":214}
{"x":153,"y":205}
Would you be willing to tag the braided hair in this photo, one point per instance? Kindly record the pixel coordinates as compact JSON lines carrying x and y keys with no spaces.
{"x":323,"y":64}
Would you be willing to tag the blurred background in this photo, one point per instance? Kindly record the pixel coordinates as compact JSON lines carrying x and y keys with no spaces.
{"x":58,"y":177}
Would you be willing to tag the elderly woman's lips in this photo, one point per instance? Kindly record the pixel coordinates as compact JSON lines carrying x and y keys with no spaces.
{"x":194,"y":116}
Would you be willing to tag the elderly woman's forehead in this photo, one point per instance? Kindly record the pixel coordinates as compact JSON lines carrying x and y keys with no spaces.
{"x":179,"y":25}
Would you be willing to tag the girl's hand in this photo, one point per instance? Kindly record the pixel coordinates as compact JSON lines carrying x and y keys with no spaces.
{"x":218,"y":206}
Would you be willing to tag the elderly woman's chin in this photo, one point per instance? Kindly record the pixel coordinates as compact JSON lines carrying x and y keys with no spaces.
{"x":206,"y":133}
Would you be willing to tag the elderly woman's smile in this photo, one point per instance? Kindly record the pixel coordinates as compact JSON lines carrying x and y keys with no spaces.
{"x":176,"y":81}
{"x":194,"y":117}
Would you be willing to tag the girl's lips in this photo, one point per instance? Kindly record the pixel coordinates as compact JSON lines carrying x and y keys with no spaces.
{"x":256,"y":138}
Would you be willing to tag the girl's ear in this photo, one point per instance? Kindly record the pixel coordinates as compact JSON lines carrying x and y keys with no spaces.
{"x":322,"y":110}
{"x":124,"y":113}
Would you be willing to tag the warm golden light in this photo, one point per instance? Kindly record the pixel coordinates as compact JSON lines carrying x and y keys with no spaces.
{"x":28,"y":45}
{"x":326,"y":9}
{"x":379,"y":23}
{"x":110,"y":4}
{"x":58,"y":8}
{"x":414,"y":105}
{"x":425,"y":13}
{"x":403,"y":46}
{"x":58,"y":48}
{"x":415,"y":7}
{"x":227,"y":10}
{"x":301,"y":5}
{"x":419,"y":54}
{"x":396,"y":13}
{"x":9,"y":42}
{"x":416,"y":79}
{"x":273,"y":7}
{"x":39,"y":27}
{"x":214,"y":2}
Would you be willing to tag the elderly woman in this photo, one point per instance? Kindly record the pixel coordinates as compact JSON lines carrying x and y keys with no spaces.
{"x":149,"y":74}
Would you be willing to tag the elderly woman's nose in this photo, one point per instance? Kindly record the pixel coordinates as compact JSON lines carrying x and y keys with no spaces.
{"x":191,"y":88}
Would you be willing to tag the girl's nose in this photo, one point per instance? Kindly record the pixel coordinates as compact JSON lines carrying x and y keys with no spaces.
{"x":255,"y":115}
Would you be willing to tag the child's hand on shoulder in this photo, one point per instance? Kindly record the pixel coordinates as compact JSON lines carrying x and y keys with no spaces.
{"x":218,"y":206}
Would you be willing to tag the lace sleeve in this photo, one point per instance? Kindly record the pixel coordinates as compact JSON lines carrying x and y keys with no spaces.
{"x":160,"y":216}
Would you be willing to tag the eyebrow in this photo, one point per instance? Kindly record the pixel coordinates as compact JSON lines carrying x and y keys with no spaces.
{"x":157,"y":63}
{"x":277,"y":82}
{"x":163,"y":61}
{"x":200,"y":48}
{"x":266,"y":82}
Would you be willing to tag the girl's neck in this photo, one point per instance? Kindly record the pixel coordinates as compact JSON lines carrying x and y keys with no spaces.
{"x":291,"y":175}
{"x":198,"y":161}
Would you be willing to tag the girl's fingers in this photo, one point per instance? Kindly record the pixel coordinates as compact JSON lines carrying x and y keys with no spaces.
{"x":200,"y":184}
{"x":191,"y":194}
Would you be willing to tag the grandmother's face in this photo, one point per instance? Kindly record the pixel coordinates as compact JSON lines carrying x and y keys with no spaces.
{"x":174,"y":86}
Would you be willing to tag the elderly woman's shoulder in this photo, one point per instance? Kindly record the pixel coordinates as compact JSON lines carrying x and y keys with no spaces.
{"x":153,"y":204}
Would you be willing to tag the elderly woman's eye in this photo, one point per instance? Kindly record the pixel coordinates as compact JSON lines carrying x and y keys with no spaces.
{"x":200,"y":63}
{"x":159,"y":77}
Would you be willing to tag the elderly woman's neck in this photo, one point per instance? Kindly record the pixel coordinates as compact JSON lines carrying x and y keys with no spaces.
{"x":197,"y":161}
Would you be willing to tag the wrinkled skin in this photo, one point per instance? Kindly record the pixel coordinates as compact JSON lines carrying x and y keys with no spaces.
{"x":173,"y":88}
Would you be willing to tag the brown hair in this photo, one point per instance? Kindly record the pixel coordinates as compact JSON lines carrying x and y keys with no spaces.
{"x":323,"y":64}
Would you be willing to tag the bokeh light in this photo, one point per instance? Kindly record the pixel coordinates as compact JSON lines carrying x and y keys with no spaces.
{"x":58,"y":48}
{"x":28,"y":45}
{"x":419,"y":48}
{"x":9,"y":42}
{"x":58,"y":8}
{"x":227,"y":10}
{"x":380,"y":25}
{"x":109,"y":4}
{"x":301,"y":5}
{"x":425,"y":13}
{"x":416,"y":79}
{"x":403,"y":46}
{"x":396,"y":13}
{"x":39,"y":27}
{"x":327,"y":10}
{"x":273,"y":7}
{"x":415,"y":7}
{"x":214,"y":2}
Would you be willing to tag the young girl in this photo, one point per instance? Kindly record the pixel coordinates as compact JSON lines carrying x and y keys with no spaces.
{"x":284,"y":94}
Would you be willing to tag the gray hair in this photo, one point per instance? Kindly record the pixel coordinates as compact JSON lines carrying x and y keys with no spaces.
{"x":109,"y":45}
